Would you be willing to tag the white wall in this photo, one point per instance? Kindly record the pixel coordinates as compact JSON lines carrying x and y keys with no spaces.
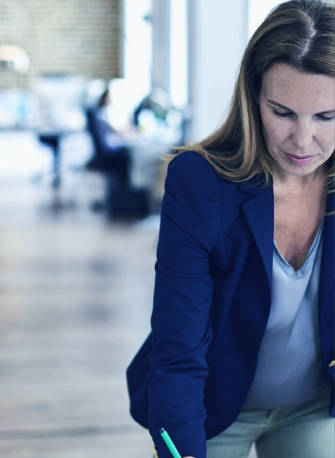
{"x":258,"y":10}
{"x":179,"y":52}
{"x":217,"y":40}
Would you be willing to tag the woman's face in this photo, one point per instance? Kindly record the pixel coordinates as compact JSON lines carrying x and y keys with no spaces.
{"x":300,"y":134}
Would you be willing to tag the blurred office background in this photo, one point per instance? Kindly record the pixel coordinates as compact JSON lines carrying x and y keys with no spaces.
{"x":77,"y":245}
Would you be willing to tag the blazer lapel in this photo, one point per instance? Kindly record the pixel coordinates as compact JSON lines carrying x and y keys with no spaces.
{"x":328,"y":253}
{"x":259,"y":212}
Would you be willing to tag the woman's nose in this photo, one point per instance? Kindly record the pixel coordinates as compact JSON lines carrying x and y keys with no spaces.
{"x":303,"y":135}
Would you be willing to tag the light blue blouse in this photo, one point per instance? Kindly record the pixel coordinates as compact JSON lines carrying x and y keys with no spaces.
{"x":289,"y":369}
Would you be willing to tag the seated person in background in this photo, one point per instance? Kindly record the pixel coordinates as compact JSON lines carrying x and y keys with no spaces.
{"x":111,"y":153}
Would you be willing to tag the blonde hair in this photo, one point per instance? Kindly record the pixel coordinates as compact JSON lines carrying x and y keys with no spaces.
{"x":300,"y":33}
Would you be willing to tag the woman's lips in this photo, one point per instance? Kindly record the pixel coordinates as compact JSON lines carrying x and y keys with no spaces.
{"x":298,"y":157}
{"x":299,"y":160}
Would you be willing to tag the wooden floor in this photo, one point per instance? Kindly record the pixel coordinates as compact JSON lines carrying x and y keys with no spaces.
{"x":76,"y":298}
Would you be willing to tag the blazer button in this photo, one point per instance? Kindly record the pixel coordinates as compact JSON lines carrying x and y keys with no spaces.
{"x":331,"y":364}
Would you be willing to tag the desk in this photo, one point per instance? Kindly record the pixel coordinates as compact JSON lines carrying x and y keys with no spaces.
{"x":53,"y":140}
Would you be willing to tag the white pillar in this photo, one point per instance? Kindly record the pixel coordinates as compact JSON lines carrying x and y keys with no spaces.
{"x":217,"y":40}
{"x":161,"y":44}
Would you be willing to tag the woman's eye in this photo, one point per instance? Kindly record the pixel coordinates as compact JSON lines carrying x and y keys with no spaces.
{"x":286,"y":115}
{"x":327,"y":118}
{"x":283,"y":115}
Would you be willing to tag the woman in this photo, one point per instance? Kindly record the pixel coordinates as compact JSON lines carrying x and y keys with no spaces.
{"x":242,"y":343}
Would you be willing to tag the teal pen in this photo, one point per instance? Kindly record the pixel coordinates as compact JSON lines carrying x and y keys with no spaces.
{"x":169,"y":443}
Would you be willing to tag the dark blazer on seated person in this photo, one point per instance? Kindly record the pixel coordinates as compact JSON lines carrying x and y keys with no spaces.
{"x":212,"y":301}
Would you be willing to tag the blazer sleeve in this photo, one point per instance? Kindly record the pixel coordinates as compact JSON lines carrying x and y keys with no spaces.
{"x":181,"y":330}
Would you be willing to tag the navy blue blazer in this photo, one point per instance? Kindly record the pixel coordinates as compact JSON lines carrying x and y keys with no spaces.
{"x":211,"y":304}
